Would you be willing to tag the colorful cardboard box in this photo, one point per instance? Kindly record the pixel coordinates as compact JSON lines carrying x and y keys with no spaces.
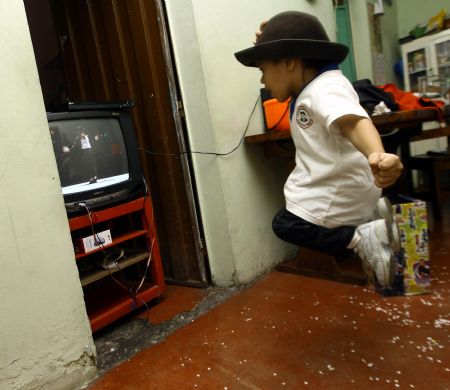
{"x":413,"y":265}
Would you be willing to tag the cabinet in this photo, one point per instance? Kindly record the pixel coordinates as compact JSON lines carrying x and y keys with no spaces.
{"x":427,"y":57}
{"x":426,"y":66}
{"x":119,"y":276}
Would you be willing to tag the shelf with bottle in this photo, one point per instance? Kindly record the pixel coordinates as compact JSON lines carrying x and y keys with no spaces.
{"x":416,"y":71}
{"x":426,"y":56}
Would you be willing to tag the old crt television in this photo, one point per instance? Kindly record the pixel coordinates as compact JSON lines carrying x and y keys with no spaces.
{"x":96,"y":153}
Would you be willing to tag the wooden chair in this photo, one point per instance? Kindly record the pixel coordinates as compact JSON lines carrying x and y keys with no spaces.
{"x":432,"y":165}
{"x":346,"y":268}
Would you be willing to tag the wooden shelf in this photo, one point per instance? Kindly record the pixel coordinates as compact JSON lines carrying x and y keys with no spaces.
{"x":111,"y":302}
{"x":106,"y":215}
{"x":116,"y":241}
{"x":417,"y":71}
{"x":384,"y":123}
{"x":93,"y":276}
{"x":106,"y":300}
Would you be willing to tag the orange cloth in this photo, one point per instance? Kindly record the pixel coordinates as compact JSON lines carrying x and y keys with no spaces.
{"x":408,"y":101}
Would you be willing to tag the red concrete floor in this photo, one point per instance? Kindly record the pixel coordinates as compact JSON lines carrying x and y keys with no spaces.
{"x":288,"y":332}
{"x":176,"y":299}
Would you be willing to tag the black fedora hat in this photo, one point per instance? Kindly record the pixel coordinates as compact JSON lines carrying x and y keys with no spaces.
{"x":293,"y":34}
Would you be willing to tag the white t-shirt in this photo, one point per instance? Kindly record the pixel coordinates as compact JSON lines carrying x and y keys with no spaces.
{"x":85,"y":144}
{"x":331,"y":184}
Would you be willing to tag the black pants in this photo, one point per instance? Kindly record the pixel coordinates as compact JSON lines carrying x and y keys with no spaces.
{"x":296,"y":230}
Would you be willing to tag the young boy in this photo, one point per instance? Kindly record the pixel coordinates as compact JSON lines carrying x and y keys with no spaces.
{"x":340,"y":161}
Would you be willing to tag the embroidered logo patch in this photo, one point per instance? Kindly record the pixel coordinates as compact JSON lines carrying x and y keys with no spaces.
{"x":303,"y":117}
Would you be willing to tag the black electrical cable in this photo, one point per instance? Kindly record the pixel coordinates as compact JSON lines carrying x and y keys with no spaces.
{"x":94,"y":233}
{"x":134,"y":292}
{"x":210,"y":153}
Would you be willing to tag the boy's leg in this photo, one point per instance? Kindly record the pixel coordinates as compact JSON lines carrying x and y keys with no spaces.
{"x":296,"y":230}
{"x":370,"y":241}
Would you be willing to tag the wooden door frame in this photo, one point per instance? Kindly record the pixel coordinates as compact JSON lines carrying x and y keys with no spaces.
{"x":180,"y":126}
{"x":120,"y":50}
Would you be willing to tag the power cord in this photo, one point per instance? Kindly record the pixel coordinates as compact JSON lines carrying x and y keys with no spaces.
{"x":134,"y":292}
{"x":97,"y":240}
{"x":208,"y":153}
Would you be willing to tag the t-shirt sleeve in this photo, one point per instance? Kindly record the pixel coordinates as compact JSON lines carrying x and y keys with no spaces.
{"x":336,"y":100}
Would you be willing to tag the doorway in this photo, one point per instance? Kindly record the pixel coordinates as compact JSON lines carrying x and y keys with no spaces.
{"x":344,"y":36}
{"x":95,"y":50}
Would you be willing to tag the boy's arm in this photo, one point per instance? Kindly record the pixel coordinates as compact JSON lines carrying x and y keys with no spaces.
{"x":386,"y":167}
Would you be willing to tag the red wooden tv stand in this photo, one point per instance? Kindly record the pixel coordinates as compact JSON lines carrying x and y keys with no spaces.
{"x":120,"y":276}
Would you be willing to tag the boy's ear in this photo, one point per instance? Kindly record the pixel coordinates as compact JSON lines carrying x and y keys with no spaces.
{"x":290,"y":64}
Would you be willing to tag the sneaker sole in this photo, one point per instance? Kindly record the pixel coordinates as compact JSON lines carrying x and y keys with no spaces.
{"x":389,"y":273}
{"x":384,"y":211}
{"x":384,"y":269}
{"x":391,"y":266}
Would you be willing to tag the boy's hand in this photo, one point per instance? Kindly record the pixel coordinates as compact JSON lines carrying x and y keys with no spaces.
{"x":259,"y":32}
{"x":386,"y":168}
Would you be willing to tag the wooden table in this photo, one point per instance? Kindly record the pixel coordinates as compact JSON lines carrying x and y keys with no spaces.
{"x":398,"y":130}
{"x":399,"y":127}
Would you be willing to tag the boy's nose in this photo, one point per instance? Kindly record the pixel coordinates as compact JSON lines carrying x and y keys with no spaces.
{"x":262,"y":80}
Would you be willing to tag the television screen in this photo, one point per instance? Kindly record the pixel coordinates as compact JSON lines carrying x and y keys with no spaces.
{"x":90,"y":153}
{"x":97,"y":157}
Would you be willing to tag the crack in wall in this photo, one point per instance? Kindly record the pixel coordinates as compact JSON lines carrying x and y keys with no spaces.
{"x":64,"y":374}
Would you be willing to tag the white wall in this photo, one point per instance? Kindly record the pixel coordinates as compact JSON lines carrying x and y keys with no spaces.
{"x":45,"y":337}
{"x":240,"y":193}
{"x":391,"y":47}
{"x":362,"y":45}
{"x":359,"y":21}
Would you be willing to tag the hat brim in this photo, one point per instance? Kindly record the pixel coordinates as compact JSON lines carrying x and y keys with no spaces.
{"x":292,"y":48}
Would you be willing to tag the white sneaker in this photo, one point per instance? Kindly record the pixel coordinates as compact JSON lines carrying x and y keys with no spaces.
{"x":375,"y":251}
{"x":383,"y":210}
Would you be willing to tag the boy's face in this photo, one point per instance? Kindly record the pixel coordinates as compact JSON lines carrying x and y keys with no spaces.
{"x":279,"y":78}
